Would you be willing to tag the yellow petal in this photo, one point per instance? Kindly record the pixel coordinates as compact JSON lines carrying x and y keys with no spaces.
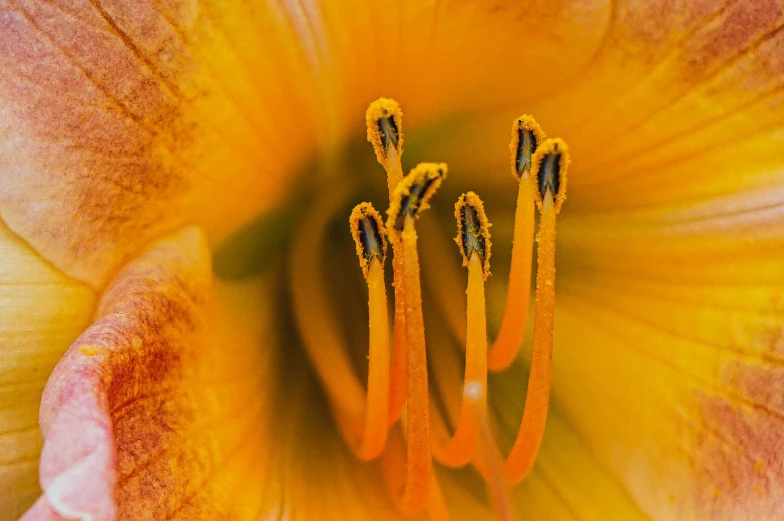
{"x":41,"y":312}
{"x":669,"y":328}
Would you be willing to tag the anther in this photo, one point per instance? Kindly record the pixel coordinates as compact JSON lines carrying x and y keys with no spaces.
{"x":369,"y":235}
{"x":413,"y":193}
{"x":526,"y":137}
{"x":473,"y":233}
{"x":384,"y":123}
{"x":549,"y":165}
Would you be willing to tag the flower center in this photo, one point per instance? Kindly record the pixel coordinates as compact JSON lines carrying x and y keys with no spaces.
{"x":397,"y":375}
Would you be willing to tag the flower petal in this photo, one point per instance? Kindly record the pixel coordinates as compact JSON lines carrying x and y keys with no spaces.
{"x":124,"y":120}
{"x":683,"y":342}
{"x":177,"y":404}
{"x":42,"y":312}
{"x":697,"y":106}
{"x":131,"y":356}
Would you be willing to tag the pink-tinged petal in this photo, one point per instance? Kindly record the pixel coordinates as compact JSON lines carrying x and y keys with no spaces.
{"x":139,"y":346}
{"x":121,"y":121}
{"x":41,"y":312}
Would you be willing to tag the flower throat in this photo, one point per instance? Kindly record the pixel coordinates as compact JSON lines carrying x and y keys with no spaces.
{"x":397,"y":383}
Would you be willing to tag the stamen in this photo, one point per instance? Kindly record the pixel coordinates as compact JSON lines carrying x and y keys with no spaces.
{"x":549,"y":166}
{"x":473,"y":238}
{"x":385,"y":133}
{"x":411,"y":197}
{"x":368,"y":231}
{"x":526,"y":135}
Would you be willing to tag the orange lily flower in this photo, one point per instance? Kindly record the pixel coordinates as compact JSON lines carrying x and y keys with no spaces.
{"x":181,"y":297}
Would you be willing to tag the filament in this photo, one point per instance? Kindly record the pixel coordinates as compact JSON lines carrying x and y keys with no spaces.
{"x":537,"y":398}
{"x":418,"y":460}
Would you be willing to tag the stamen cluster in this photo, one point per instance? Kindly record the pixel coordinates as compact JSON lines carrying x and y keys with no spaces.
{"x":539,"y":165}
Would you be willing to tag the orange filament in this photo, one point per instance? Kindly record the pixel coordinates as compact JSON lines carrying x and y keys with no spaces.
{"x":537,"y":398}
{"x":418,"y":457}
{"x":394,"y":169}
{"x":375,"y":432}
{"x":512,"y":331}
{"x":491,"y":465}
{"x":314,"y":313}
{"x":461,"y":448}
{"x":526,"y":137}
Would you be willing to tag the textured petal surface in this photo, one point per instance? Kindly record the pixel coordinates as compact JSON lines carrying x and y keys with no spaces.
{"x":168,"y":407}
{"x":133,"y":406}
{"x":672,"y":287}
{"x":125,"y":120}
{"x":41,"y":312}
{"x":137,"y":119}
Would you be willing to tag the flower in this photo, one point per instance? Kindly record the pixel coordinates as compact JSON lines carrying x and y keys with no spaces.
{"x":139,"y":137}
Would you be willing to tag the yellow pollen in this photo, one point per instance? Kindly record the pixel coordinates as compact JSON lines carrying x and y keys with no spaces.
{"x":369,"y":235}
{"x":526,"y":137}
{"x":473,"y":231}
{"x":413,"y":193}
{"x":384,"y":128}
{"x":400,"y":381}
{"x":550,"y":163}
